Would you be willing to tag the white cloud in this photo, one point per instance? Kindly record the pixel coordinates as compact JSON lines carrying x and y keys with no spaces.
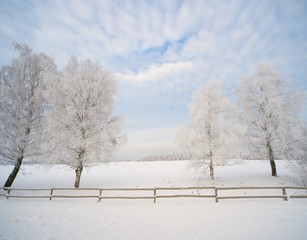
{"x":157,"y":72}
{"x":164,"y":47}
{"x":82,"y":9}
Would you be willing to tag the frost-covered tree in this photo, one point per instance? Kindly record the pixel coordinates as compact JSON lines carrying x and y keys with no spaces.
{"x":300,"y":166}
{"x":298,"y":154}
{"x":80,"y":124}
{"x":213,"y":134}
{"x":22,"y":107}
{"x":270,"y":110}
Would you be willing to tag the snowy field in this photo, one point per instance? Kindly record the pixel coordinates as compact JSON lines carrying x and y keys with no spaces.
{"x":142,"y":219}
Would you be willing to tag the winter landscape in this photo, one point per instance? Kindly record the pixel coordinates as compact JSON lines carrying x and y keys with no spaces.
{"x":153,"y":119}
{"x":182,"y":218}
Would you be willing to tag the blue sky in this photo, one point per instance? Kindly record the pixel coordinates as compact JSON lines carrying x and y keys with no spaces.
{"x":162,"y":51}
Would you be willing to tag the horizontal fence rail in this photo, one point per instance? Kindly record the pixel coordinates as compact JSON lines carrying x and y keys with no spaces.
{"x":217,"y":193}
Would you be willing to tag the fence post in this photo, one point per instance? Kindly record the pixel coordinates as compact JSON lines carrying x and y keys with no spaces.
{"x":51,"y":193}
{"x":216,"y":197}
{"x":8,"y":193}
{"x":155,"y":195}
{"x":285,"y":194}
{"x":100,"y":195}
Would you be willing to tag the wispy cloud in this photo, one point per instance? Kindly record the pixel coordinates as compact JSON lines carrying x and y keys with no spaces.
{"x":157,"y":72}
{"x":161,"y":51}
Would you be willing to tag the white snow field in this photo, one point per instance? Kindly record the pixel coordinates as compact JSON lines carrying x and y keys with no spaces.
{"x":181,"y":218}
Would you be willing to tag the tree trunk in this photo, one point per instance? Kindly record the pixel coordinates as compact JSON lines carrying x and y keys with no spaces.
{"x":273,"y":168}
{"x":78,"y":176}
{"x":14,"y":173}
{"x":272,"y":161}
{"x":211,"y":169}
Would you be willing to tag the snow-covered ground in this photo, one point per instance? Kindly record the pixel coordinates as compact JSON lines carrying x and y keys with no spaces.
{"x":142,"y":219}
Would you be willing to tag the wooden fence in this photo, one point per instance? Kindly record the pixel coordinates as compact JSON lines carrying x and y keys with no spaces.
{"x":216,"y":193}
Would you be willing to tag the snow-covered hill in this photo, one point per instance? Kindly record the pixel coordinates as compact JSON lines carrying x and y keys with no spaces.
{"x":142,"y":219}
{"x":151,"y":174}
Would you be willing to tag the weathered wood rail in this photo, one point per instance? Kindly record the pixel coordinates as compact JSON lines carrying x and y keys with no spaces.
{"x":217,"y":193}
